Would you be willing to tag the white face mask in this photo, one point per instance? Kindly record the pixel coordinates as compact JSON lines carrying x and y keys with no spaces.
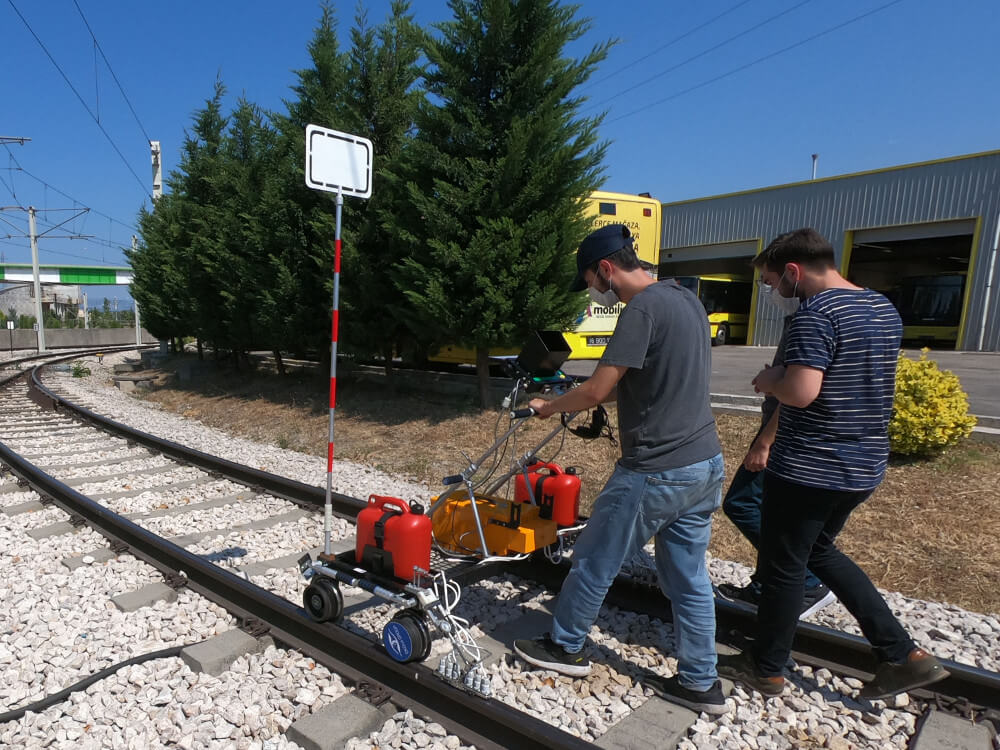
{"x":603,"y":299}
{"x":787,"y":305}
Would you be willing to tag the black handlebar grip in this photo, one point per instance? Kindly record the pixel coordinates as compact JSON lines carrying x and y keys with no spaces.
{"x":453,"y":479}
{"x":527,"y":411}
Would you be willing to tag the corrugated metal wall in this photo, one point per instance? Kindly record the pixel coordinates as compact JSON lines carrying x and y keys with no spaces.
{"x":960,"y":188}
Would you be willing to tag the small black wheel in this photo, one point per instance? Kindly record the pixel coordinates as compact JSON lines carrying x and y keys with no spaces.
{"x":407,"y":637}
{"x":322,"y":600}
{"x":722,"y":335}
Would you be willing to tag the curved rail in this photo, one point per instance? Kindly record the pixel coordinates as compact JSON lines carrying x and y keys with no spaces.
{"x":483,"y":722}
{"x":814,"y":644}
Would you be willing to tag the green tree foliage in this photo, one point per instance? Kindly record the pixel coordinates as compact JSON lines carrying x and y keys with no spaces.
{"x":476,"y":210}
{"x":498,"y":176}
{"x":179,"y":260}
{"x":303,"y":220}
{"x":382,"y":75}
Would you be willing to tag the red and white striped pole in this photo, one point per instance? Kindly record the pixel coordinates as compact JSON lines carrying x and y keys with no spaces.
{"x":328,"y":507}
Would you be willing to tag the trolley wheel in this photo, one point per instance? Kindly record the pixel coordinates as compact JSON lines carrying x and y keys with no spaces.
{"x":722,"y":335}
{"x":407,"y":637}
{"x":322,"y":600}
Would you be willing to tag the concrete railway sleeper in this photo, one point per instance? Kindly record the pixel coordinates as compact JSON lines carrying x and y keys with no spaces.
{"x":969,"y":691}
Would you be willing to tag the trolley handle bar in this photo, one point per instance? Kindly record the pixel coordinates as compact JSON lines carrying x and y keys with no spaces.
{"x":453,"y":479}
{"x":527,"y":411}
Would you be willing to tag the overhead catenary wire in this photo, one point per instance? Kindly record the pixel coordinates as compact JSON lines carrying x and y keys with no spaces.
{"x":97,"y":46}
{"x":702,"y":53}
{"x":19,"y":168}
{"x":81,"y":99}
{"x":761,"y":59}
{"x":672,"y":42}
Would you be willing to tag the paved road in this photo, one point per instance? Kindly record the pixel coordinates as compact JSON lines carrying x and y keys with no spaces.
{"x":734,"y":366}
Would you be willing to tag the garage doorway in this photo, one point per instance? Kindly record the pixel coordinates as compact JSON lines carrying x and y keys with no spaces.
{"x":721,"y":276}
{"x":923,"y":269}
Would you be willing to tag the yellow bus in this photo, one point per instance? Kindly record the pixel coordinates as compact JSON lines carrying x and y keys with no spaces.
{"x":930,"y":307}
{"x":641,"y":214}
{"x":726,"y":297}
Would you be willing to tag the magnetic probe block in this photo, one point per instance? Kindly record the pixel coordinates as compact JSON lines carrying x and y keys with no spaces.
{"x":510,"y":528}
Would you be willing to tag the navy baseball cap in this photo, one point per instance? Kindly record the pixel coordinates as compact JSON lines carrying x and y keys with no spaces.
{"x":600,"y":243}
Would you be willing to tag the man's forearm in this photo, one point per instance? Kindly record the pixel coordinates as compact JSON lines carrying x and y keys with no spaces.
{"x":770,"y":430}
{"x":578,"y":399}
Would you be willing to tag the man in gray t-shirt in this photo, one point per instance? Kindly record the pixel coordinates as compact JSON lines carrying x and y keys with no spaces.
{"x":668,"y":481}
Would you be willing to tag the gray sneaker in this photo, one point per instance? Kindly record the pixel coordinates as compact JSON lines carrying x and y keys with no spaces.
{"x":710,"y":701}
{"x":545,"y":653}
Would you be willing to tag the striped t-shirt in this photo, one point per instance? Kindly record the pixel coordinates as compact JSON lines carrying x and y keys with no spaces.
{"x":840,"y":441}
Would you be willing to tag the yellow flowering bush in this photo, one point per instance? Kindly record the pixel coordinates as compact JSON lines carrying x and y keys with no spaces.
{"x":931,"y":411}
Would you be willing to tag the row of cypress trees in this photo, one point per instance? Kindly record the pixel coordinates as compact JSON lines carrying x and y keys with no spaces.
{"x":482,"y":164}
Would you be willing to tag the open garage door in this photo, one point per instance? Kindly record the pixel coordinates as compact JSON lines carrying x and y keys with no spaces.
{"x":923,"y":269}
{"x":721,"y":275}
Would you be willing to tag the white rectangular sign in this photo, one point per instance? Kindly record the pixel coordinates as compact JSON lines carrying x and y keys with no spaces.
{"x":338,"y":162}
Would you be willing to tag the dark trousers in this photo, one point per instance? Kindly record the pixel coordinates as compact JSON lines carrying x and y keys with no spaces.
{"x":799,"y":525}
{"x":742,"y":506}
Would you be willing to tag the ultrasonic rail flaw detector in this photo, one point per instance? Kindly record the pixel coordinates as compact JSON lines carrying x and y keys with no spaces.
{"x":479,"y":517}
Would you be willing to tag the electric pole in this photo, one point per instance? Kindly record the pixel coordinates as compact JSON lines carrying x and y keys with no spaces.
{"x":135,"y":304}
{"x":154,"y":152}
{"x":35,"y":279}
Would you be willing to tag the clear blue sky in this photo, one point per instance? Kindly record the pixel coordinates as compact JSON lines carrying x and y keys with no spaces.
{"x":911,"y":82}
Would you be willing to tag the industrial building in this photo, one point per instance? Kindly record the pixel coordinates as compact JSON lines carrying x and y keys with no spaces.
{"x":924,"y":234}
{"x":57,"y":299}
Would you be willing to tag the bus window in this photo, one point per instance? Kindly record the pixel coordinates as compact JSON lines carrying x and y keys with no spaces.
{"x":931,"y":300}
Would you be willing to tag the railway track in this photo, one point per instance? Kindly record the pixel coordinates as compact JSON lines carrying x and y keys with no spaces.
{"x":349,"y":652}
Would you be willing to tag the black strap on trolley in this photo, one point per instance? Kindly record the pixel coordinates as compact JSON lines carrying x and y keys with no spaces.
{"x":380,"y":527}
{"x":378,"y":559}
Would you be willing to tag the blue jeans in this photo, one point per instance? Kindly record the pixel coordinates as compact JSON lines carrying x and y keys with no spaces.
{"x":742,"y":506}
{"x":675,"y":507}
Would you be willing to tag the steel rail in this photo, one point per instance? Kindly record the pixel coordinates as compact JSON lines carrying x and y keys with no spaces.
{"x":483,"y":722}
{"x":814,"y":644}
{"x":289,"y":489}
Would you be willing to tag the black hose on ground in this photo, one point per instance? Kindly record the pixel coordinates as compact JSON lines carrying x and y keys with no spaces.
{"x":86,"y":682}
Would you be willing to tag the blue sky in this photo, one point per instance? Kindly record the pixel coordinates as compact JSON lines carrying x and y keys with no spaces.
{"x":730,"y":95}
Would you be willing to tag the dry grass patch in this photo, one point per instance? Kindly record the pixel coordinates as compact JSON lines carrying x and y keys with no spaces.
{"x":932,"y":530}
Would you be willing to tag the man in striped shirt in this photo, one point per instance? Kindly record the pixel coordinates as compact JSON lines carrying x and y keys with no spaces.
{"x":836,"y":391}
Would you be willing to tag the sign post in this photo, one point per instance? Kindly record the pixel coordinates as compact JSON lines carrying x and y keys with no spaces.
{"x":10,"y":332}
{"x":338,"y":163}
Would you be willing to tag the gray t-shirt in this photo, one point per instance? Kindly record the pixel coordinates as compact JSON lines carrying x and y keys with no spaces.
{"x":664,"y":416}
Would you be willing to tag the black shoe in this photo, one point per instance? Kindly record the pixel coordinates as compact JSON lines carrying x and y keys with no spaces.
{"x":749,"y":594}
{"x":710,"y":701}
{"x":545,"y":653}
{"x":919,"y":669}
{"x":741,"y":668}
{"x":815,"y":599}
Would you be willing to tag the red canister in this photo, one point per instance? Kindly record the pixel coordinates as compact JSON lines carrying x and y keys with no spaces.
{"x":393,"y":537}
{"x":556,"y":492}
